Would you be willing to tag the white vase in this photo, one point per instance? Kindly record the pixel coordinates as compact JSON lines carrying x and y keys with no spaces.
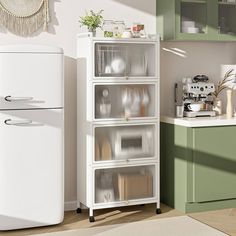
{"x":217,"y":106}
{"x":229,"y":108}
{"x":93,"y":32}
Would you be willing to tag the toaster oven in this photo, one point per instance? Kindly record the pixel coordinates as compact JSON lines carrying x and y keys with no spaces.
{"x":133,"y":143}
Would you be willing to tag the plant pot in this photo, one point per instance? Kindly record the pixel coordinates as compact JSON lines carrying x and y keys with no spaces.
{"x":93,"y":31}
{"x":217,"y":106}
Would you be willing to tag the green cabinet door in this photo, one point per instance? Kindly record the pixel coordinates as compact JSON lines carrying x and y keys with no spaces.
{"x":226,"y":21}
{"x":214,"y":163}
{"x":214,"y":20}
{"x":201,"y":13}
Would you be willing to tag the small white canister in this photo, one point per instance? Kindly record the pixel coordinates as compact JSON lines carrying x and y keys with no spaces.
{"x":179,"y":111}
{"x":127,"y":33}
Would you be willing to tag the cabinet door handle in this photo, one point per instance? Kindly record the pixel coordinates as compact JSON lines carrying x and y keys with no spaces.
{"x":18,"y":99}
{"x":17,"y":122}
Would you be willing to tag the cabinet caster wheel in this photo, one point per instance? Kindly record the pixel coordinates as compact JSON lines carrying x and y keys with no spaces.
{"x":79,"y":210}
{"x":91,"y":219}
{"x":158,"y":211}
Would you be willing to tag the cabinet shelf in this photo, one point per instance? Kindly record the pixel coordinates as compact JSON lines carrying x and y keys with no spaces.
{"x":125,"y":203}
{"x":227,"y":3}
{"x":124,"y":162}
{"x":194,"y":1}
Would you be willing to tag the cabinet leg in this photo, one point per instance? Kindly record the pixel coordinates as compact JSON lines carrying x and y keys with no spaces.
{"x":91,"y":217}
{"x":158,"y":211}
{"x":79,"y":210}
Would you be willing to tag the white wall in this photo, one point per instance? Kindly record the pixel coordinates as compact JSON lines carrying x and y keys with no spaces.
{"x":62,"y":32}
{"x":199,"y":58}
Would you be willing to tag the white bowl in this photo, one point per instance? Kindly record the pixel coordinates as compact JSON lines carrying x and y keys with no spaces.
{"x":188,"y":23}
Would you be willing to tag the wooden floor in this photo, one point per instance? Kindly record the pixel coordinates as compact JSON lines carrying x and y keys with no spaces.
{"x":224,"y":220}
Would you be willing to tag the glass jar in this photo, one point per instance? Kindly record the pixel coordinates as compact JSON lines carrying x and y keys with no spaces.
{"x":119,"y":28}
{"x":108,"y":26}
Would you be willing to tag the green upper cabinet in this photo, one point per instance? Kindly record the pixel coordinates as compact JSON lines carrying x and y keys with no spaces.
{"x":196,"y":19}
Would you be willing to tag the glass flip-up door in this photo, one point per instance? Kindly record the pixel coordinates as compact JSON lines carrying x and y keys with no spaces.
{"x":125,"y":60}
{"x":125,"y":101}
{"x":125,"y":184}
{"x":125,"y":143}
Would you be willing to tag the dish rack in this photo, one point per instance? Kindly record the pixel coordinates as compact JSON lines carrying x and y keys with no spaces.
{"x":118,"y":60}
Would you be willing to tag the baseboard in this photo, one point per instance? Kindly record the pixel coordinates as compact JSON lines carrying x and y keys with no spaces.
{"x":70,"y":206}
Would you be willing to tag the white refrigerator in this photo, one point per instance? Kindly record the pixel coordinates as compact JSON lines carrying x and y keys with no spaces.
{"x":31,"y":136}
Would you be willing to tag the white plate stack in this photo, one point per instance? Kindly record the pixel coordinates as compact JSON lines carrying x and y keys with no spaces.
{"x":189,"y":27}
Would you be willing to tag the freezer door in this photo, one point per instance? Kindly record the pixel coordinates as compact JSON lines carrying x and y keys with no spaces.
{"x":31,"y":80}
{"x":31,"y":168}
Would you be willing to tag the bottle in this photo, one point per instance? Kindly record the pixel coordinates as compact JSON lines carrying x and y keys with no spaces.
{"x":105,"y":104}
{"x":229,"y":108}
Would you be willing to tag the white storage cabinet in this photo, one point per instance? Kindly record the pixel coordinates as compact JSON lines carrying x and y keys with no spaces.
{"x":118,"y":122}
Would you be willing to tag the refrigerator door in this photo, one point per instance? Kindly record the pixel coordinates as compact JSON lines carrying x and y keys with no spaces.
{"x":31,"y":80}
{"x":31,"y":168}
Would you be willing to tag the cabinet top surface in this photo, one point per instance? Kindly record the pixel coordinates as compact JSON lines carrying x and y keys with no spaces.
{"x":200,"y":121}
{"x":153,"y":38}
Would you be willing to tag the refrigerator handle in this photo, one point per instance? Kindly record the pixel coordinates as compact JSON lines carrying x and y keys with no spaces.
{"x":18,"y":99}
{"x":17,"y":122}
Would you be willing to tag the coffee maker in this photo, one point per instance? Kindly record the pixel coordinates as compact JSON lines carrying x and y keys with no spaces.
{"x":195,"y":95}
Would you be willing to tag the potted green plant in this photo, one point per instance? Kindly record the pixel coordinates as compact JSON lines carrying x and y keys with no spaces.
{"x":92,"y":21}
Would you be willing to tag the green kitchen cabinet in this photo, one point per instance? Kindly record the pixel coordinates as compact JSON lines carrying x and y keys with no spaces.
{"x":198,"y":167}
{"x":196,"y":20}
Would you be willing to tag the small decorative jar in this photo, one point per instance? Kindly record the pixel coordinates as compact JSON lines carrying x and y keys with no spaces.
{"x":108,"y":26}
{"x":138,"y":30}
{"x":119,"y":28}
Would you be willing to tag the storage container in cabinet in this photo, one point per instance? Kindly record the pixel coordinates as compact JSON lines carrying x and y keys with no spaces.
{"x":133,"y":186}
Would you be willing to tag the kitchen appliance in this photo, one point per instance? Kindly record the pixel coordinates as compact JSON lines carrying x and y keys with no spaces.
{"x":31,"y":136}
{"x":130,"y":143}
{"x":195,"y":96}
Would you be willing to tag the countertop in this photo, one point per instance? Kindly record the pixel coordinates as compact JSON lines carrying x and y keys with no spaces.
{"x":200,"y":121}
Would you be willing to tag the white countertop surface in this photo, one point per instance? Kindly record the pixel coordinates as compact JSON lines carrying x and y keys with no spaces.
{"x":200,"y":121}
